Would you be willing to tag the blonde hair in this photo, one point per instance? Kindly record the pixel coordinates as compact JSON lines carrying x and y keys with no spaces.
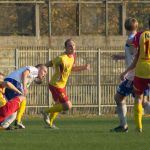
{"x":131,"y":24}
{"x":2,"y":74}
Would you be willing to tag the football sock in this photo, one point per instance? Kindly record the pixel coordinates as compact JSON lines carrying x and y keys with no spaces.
{"x":21,"y":111}
{"x":122,"y":111}
{"x":138,"y":115}
{"x":52,"y":117}
{"x":7,"y":122}
{"x":55,"y":108}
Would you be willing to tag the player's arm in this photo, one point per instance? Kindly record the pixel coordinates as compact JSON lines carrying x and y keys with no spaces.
{"x":131,"y":67}
{"x":49,"y":64}
{"x":81,"y":68}
{"x":24,"y":80}
{"x":9,"y":85}
{"x":118,"y":57}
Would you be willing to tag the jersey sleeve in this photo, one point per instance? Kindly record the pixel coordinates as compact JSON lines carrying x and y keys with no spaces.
{"x":57,"y":61}
{"x":33,"y":70}
{"x":136,"y":39}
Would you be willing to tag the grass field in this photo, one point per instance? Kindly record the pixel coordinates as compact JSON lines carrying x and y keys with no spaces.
{"x":76,"y":134}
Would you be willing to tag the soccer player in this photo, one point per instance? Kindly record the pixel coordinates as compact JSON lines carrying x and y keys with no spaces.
{"x":3,"y":85}
{"x":126,"y":86}
{"x":63,"y":65}
{"x":141,"y":63}
{"x":7,"y":108}
{"x":22,"y":79}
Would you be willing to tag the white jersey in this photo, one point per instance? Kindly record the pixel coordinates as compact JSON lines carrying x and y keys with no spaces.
{"x":129,"y":57}
{"x":17,"y":74}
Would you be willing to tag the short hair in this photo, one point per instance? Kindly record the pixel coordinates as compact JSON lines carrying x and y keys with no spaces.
{"x":40,"y":65}
{"x":131,"y":24}
{"x":2,"y":74}
{"x":66,"y":42}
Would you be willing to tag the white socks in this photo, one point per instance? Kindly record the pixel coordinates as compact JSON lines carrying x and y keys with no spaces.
{"x":122,"y":111}
{"x":7,"y":122}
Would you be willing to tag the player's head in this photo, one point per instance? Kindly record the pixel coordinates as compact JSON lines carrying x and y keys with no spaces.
{"x":70,"y":46}
{"x":1,"y":76}
{"x":42,"y":71}
{"x":131,"y":24}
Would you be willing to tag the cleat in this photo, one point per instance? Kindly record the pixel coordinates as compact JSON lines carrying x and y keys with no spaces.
{"x":139,"y":130}
{"x":46,"y":118}
{"x":19,"y":125}
{"x":1,"y":128}
{"x":10,"y":128}
{"x":52,"y":127}
{"x":119,"y":129}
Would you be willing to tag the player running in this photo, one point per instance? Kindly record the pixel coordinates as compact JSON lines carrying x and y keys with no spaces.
{"x":63,"y":65}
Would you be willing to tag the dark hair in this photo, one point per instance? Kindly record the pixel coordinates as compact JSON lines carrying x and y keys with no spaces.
{"x":2,"y":74}
{"x":131,"y":24}
{"x":40,"y":65}
{"x":149,"y":22}
{"x":66,"y":42}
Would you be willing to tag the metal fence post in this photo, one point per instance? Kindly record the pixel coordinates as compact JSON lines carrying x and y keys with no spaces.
{"x":79,"y":18}
{"x":123,"y":17}
{"x":49,"y":97}
{"x":98,"y":83}
{"x":37,"y":21}
{"x":16,"y":58}
{"x":106,"y":16}
{"x":49,"y":18}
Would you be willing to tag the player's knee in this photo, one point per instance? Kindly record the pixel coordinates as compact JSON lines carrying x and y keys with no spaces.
{"x":119,"y":98}
{"x":22,"y":98}
{"x":116,"y":99}
{"x":67,"y":105}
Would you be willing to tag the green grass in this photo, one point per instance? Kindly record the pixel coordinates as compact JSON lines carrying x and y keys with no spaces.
{"x":76,"y":134}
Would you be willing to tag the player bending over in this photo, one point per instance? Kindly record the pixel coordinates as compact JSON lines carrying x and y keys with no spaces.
{"x":7,"y":108}
{"x":21,"y":79}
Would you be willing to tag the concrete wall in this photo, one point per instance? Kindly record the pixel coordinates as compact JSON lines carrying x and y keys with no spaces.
{"x":56,"y":41}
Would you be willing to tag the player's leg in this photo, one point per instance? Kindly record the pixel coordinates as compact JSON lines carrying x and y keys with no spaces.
{"x":138,"y":111}
{"x":121,"y":110}
{"x":20,"y":112}
{"x":140,"y":85}
{"x":7,"y":115}
{"x":123,"y":90}
{"x":145,"y":102}
{"x":61,"y":104}
{"x":6,"y":124}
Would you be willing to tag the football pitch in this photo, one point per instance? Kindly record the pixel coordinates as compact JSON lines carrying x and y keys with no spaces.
{"x":79,"y":133}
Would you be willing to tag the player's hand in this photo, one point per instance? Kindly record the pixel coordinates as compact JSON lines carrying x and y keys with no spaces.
{"x":25,"y":91}
{"x":117,"y":57}
{"x":122,"y":75}
{"x":20,"y":93}
{"x":87,"y":67}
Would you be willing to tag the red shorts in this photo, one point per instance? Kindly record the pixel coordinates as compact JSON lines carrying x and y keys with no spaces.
{"x":9,"y":108}
{"x":140,"y":85}
{"x":59,"y":94}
